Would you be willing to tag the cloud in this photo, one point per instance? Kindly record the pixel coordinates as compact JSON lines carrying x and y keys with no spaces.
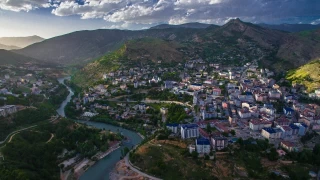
{"x":149,"y":12}
{"x":25,"y":5}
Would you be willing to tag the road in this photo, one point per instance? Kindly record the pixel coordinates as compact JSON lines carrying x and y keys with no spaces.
{"x":15,"y":132}
{"x":126,"y":158}
{"x":18,"y":131}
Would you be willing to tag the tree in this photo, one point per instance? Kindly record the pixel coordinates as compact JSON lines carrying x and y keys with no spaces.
{"x":233,"y":132}
{"x":194,"y":154}
{"x":208,"y":128}
{"x":273,"y":155}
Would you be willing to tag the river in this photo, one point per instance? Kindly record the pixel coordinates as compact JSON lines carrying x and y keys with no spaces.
{"x":101,"y":169}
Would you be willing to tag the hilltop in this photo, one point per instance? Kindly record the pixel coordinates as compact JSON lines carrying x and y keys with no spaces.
{"x":307,"y":75}
{"x":20,"y":42}
{"x":139,"y":52}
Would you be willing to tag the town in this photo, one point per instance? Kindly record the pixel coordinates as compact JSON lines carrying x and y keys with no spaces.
{"x":221,"y":104}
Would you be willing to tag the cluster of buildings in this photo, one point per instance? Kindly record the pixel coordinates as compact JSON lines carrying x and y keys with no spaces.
{"x":7,"y":110}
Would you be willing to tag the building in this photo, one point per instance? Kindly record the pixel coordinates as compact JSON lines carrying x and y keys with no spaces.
{"x":289,"y":146}
{"x":257,"y":125}
{"x":219,"y":143}
{"x":7,"y":110}
{"x":195,"y":87}
{"x":163,"y":110}
{"x":189,"y":131}
{"x":216,"y":91}
{"x":271,"y":133}
{"x":244,"y":113}
{"x":289,"y":112}
{"x":302,"y":128}
{"x":173,"y":127}
{"x":295,"y":129}
{"x":203,"y":146}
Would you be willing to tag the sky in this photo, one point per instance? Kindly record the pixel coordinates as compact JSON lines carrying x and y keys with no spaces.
{"x":49,"y":18}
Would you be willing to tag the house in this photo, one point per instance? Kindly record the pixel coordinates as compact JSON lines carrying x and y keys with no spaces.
{"x":289,"y":146}
{"x":216,"y":91}
{"x":302,"y":128}
{"x":274,"y":94}
{"x":282,"y":121}
{"x":173,"y":127}
{"x":203,"y":146}
{"x":289,"y":112}
{"x":189,"y":131}
{"x":195,"y":87}
{"x":271,"y":133}
{"x":295,"y":128}
{"x":257,"y":125}
{"x":219,"y":142}
{"x":244,"y":113}
{"x":286,"y":131}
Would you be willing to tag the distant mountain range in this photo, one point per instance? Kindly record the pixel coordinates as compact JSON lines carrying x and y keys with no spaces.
{"x":5,"y":47}
{"x":203,"y":40}
{"x":195,"y":25}
{"x":291,"y":27}
{"x":19,"y":42}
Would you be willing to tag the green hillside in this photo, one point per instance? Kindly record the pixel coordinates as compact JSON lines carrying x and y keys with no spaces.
{"x":10,"y":58}
{"x":307,"y":75}
{"x":134,"y":53}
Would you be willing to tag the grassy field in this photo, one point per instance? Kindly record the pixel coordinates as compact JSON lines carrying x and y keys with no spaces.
{"x":168,"y":159}
{"x":307,"y":75}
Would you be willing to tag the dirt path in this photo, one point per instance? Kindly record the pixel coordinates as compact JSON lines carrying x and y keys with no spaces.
{"x":52,"y":136}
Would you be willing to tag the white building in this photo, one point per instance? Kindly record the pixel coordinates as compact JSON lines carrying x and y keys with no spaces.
{"x":203,"y":146}
{"x":189,"y":131}
{"x":219,"y":143}
{"x":173,"y":127}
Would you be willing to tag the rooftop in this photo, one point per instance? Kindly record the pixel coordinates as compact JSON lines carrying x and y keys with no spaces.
{"x":202,"y":141}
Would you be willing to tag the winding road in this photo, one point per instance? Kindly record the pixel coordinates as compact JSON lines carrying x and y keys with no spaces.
{"x":128,"y":163}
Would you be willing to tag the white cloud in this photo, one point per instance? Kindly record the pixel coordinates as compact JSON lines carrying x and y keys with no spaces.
{"x":315,"y":22}
{"x":24,"y":5}
{"x":146,"y":12}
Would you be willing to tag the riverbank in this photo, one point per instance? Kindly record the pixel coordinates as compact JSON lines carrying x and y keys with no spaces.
{"x":100,"y":169}
{"x":84,"y":165}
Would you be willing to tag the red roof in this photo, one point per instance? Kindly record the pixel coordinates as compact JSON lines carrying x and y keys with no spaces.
{"x":288,"y":143}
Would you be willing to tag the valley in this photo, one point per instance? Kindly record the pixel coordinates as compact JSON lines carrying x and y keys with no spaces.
{"x":190,"y":101}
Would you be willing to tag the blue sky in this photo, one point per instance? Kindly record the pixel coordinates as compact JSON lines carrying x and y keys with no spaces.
{"x":48,"y":18}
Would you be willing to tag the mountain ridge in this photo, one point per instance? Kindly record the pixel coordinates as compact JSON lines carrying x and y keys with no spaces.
{"x":20,"y":42}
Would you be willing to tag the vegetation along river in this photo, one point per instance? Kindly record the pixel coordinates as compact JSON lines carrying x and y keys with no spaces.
{"x":103,"y":167}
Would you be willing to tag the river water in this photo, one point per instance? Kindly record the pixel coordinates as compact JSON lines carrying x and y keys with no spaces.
{"x":101,"y":169}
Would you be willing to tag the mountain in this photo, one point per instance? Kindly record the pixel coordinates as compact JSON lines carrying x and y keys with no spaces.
{"x":5,"y":47}
{"x":299,"y":48}
{"x":236,"y":42}
{"x":195,"y":25}
{"x":10,"y":58}
{"x":307,"y":75}
{"x":291,"y":27}
{"x":84,"y":46}
{"x":20,"y":41}
{"x":237,"y":29}
{"x":134,"y":53}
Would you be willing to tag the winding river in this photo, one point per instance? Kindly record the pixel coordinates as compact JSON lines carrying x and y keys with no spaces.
{"x":101,"y":169}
